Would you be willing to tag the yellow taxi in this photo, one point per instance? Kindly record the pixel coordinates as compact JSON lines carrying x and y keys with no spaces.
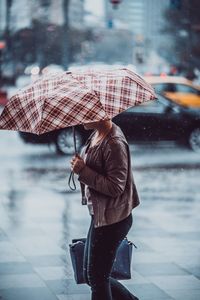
{"x":178,"y":89}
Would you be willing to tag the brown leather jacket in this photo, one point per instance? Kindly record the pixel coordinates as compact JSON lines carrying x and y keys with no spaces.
{"x":109,"y":178}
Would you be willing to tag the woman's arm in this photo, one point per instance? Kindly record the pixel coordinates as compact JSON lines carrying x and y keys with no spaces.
{"x":116,"y":169}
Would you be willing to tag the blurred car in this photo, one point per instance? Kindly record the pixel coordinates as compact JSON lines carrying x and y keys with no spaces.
{"x":22,"y":81}
{"x":32,"y":69}
{"x":33,"y":72}
{"x":178,"y":89}
{"x":3,"y":97}
{"x":53,"y":68}
{"x":160,"y":120}
{"x":100,"y":66}
{"x":62,"y":138}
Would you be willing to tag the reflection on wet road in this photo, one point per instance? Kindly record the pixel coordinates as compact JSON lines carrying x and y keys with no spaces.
{"x":39,"y":216}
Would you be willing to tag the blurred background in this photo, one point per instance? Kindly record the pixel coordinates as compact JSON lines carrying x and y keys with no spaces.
{"x":39,"y":215}
{"x":158,"y":39}
{"x":154,"y":37}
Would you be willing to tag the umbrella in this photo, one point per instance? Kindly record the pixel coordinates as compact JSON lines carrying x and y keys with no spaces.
{"x":71,"y":98}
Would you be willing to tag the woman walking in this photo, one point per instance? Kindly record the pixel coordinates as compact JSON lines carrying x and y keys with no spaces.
{"x":108,"y":189}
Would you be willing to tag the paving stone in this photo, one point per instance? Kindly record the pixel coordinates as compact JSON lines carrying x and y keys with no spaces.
{"x":135,"y":278}
{"x":3,"y":236}
{"x":68,"y":287}
{"x":74,"y":297}
{"x":39,"y":293}
{"x":190,"y":235}
{"x":152,"y":257}
{"x":149,"y":269}
{"x":189,"y":282}
{"x":38,"y":246}
{"x":21,"y":281}
{"x":194,"y":271}
{"x":9,"y":253}
{"x":15,"y":268}
{"x":47,"y":260}
{"x":148,"y":291}
{"x":51,"y":273}
{"x":184,"y":294}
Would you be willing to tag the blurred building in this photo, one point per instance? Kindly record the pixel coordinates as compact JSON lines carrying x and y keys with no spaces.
{"x":76,"y":13}
{"x":144,"y":18}
{"x":128,"y":14}
{"x":22,"y":13}
{"x":154,"y":22}
{"x":2,"y":15}
{"x":52,"y":12}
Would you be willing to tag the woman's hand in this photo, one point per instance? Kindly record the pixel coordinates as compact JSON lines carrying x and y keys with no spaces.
{"x":77,"y":164}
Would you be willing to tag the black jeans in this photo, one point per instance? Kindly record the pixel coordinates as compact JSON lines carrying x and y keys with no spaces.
{"x":99,"y":255}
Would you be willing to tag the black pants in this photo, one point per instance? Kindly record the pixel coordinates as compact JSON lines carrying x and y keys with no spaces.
{"x":100,"y":252}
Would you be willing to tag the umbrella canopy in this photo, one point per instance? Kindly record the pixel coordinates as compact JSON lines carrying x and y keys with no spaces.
{"x":71,"y":98}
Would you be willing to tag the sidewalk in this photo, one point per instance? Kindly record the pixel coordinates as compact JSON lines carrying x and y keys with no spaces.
{"x":39,"y":217}
{"x":34,"y":258}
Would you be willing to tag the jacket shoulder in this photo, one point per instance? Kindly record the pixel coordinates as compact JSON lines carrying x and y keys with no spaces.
{"x":115,"y":145}
{"x":116,"y":140}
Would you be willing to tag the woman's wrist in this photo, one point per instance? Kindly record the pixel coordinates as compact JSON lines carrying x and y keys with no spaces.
{"x":77,"y":164}
{"x":80,"y":169}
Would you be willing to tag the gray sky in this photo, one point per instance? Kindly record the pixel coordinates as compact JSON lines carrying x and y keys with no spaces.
{"x":95,"y":6}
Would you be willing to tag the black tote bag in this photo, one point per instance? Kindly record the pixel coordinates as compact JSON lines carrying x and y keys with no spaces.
{"x":121,"y":267}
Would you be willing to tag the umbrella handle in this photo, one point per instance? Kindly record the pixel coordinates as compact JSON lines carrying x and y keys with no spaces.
{"x":74,"y":138}
{"x":71,"y":176}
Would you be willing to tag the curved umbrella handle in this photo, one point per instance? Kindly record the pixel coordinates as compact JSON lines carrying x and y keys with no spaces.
{"x":71,"y":176}
{"x":74,"y":137}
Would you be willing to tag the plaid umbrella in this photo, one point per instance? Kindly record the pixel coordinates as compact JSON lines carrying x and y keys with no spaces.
{"x":72,"y":98}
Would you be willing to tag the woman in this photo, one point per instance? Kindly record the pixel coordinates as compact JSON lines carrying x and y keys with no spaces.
{"x":104,"y":171}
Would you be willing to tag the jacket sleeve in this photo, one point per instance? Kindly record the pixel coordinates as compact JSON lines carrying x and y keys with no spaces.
{"x":116,"y":170}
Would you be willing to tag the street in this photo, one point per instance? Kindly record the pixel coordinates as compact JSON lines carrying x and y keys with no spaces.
{"x":72,"y":62}
{"x":39,"y":216}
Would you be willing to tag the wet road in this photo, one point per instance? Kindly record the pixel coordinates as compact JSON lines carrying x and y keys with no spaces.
{"x":39,"y":216}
